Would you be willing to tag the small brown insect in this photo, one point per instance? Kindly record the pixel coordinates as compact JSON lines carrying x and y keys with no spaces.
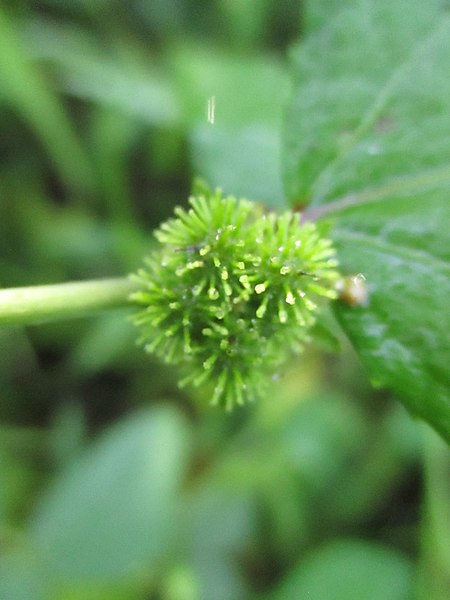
{"x":353,"y":290}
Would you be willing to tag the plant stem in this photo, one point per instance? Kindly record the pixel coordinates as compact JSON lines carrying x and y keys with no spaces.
{"x":434,"y":583}
{"x":37,"y":304}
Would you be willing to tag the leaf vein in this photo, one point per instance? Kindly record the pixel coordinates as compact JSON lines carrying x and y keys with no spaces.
{"x":376,"y":108}
{"x":405,"y":252}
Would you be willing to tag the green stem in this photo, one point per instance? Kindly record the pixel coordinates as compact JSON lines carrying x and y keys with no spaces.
{"x":434,"y":583}
{"x":30,"y":305}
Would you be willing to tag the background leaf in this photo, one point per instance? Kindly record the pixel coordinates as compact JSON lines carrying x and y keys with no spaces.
{"x":349,"y":570}
{"x":240,"y":149}
{"x":366,"y":144}
{"x":25,"y":88}
{"x":110,"y":514}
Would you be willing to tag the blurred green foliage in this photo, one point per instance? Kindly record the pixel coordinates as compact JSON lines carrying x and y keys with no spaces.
{"x":114,"y":484}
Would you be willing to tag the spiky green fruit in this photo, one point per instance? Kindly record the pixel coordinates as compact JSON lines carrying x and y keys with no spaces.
{"x":232,"y":292}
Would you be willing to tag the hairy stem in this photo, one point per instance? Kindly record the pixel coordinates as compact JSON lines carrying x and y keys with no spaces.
{"x":37,"y":304}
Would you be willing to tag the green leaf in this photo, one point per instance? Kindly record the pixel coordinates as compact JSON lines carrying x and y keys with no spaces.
{"x":372,"y":99}
{"x":349,"y":570}
{"x":110,"y":514}
{"x":402,"y":335}
{"x":366,"y":144}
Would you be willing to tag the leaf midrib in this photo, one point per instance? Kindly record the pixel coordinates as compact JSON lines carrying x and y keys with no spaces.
{"x":405,"y":252}
{"x":384,"y":192}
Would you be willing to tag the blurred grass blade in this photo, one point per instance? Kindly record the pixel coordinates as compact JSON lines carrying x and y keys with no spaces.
{"x":119,"y":78}
{"x":112,"y":134}
{"x":435,"y":573}
{"x":25,"y":89}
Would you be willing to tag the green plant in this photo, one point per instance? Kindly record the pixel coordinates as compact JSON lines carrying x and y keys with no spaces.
{"x":390,"y":222}
{"x":232,"y":291}
{"x":104,"y":123}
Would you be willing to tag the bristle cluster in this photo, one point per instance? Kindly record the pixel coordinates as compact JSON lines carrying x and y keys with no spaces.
{"x":232,"y":292}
